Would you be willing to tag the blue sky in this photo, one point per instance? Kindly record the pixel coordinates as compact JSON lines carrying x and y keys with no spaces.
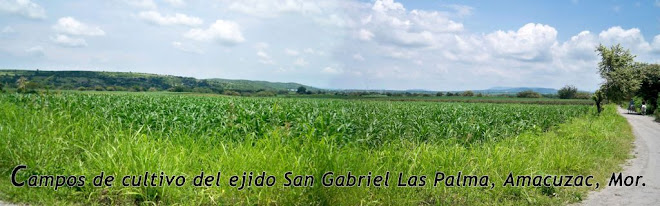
{"x":344,"y":44}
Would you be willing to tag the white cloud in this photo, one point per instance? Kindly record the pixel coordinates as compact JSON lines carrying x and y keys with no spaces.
{"x":143,"y":4}
{"x":461,"y":10}
{"x":300,"y":62}
{"x":656,"y":43}
{"x":291,"y":52}
{"x":390,"y":23}
{"x":331,"y":70}
{"x":365,"y":35}
{"x":186,"y":48}
{"x":264,"y":58}
{"x":176,"y":19}
{"x":25,"y":8}
{"x":530,"y":42}
{"x":64,"y":40}
{"x":224,"y":31}
{"x":71,"y":26}
{"x":631,"y":38}
{"x":176,"y":3}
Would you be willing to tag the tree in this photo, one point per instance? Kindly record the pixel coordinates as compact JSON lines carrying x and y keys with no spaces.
{"x":439,"y":94}
{"x":468,"y":93}
{"x":650,"y":87}
{"x":567,"y":92}
{"x":528,"y":94}
{"x":621,"y":73}
{"x":301,"y":90}
{"x":614,"y":58}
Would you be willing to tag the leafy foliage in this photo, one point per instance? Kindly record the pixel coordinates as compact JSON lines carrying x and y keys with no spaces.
{"x":567,"y":92}
{"x":528,"y":94}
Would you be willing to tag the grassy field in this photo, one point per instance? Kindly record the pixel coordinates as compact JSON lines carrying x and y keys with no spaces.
{"x":130,"y":133}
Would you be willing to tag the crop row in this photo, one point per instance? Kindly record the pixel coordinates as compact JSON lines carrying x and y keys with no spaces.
{"x":216,"y":119}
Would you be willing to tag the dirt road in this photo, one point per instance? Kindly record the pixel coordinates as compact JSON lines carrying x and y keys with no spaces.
{"x":646,"y":162}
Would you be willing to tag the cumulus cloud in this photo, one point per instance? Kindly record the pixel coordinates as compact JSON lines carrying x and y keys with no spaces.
{"x":530,"y":42}
{"x":223,"y":31}
{"x":389,"y":22}
{"x":71,"y":26}
{"x":25,"y":8}
{"x":176,"y":19}
{"x":631,"y":38}
{"x":64,"y":40}
{"x":656,"y":43}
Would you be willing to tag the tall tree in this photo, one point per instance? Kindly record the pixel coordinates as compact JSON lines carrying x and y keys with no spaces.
{"x":621,"y":73}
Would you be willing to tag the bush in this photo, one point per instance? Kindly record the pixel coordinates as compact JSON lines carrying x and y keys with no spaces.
{"x":265,"y":94}
{"x":567,"y":92}
{"x":468,"y":93}
{"x":528,"y":94}
{"x":231,"y":93}
{"x":439,"y":94}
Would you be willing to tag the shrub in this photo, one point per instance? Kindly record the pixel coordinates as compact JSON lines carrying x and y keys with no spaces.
{"x":439,"y":94}
{"x":231,"y":93}
{"x":468,"y":93}
{"x":528,"y":94}
{"x":567,"y":92}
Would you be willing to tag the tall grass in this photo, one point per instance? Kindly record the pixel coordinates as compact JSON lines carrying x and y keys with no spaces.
{"x":129,"y":134}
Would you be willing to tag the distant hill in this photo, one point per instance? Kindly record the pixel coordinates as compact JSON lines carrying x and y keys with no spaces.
{"x":239,"y":84}
{"x":130,"y":81}
{"x":513,"y":90}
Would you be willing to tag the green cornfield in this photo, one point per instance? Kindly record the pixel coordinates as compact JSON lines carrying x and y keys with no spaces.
{"x":128,"y":134}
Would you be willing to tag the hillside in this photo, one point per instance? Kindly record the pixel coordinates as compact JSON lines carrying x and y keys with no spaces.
{"x":257,"y":85}
{"x":129,"y":81}
{"x":513,"y":90}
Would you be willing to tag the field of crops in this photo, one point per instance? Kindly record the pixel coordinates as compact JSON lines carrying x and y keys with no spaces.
{"x":131,"y":133}
{"x":345,"y":122}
